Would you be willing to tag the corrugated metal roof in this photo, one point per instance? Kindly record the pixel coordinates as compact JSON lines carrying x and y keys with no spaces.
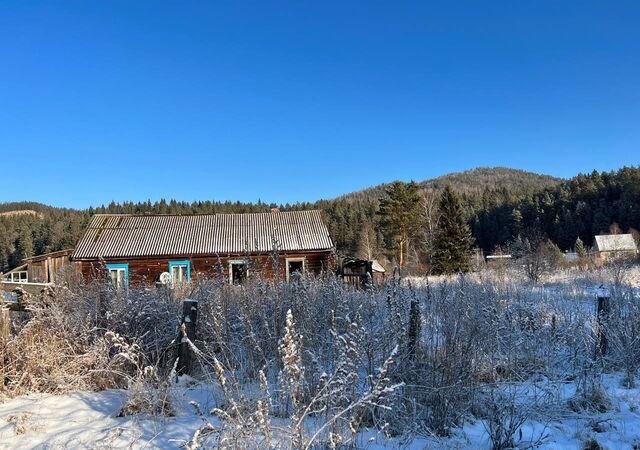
{"x":615,"y":243}
{"x":124,"y":235}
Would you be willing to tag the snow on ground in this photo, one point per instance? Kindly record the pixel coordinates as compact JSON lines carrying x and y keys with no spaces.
{"x":571,"y":279}
{"x":88,"y":420}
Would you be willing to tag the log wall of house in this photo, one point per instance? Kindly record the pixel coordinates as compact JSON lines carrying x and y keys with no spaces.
{"x":146,"y":271}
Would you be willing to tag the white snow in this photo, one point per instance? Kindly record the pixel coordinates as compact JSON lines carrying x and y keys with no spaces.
{"x":87,"y":420}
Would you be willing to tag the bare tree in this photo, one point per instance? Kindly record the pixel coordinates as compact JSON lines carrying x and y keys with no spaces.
{"x":545,"y":258}
{"x":430,"y":203}
{"x":368,"y":247}
{"x":614,"y":228}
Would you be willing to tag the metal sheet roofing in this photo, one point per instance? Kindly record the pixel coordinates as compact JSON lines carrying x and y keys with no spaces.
{"x":615,"y":243}
{"x":125,"y":236}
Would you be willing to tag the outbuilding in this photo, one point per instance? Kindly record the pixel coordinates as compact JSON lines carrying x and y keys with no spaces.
{"x":611,"y":246}
{"x":37,"y":271}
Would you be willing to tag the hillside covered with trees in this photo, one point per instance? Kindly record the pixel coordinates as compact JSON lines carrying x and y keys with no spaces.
{"x":500,"y":207}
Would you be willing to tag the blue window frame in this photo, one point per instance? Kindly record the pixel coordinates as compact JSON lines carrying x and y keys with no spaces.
{"x":119,"y":275}
{"x":180,"y":272}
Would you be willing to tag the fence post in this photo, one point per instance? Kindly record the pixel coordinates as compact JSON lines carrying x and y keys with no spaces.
{"x":102,"y":307}
{"x":187,"y":333}
{"x":368,"y":277}
{"x":603,"y":308}
{"x":5,"y":322}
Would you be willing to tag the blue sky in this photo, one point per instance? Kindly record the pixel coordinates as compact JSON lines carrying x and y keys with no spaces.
{"x":292,"y":101}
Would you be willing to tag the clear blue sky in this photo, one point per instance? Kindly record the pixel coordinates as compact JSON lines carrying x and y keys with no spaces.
{"x":288,"y":101}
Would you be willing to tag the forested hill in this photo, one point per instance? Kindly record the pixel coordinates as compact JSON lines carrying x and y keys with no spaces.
{"x":500,"y":204}
{"x":473,"y":181}
{"x":24,"y":206}
{"x":482,"y":189}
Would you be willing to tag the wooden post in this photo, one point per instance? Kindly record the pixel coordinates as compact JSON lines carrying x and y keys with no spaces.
{"x":603,"y":308}
{"x":187,"y":333}
{"x":5,"y":323}
{"x":102,"y":307}
{"x":368,"y":276}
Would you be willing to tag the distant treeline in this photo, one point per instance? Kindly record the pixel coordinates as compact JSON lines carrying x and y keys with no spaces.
{"x":500,"y":205}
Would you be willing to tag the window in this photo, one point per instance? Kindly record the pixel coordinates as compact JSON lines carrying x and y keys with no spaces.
{"x":180,"y":272}
{"x":238,"y":271}
{"x":295,"y":267}
{"x":21,"y":276}
{"x":119,"y":275}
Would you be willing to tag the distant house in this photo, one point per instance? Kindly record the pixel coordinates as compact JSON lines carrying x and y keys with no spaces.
{"x":614,"y":245}
{"x":174,"y":249}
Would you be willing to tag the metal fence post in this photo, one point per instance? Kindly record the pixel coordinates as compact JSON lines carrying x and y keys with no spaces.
{"x":603,"y":308}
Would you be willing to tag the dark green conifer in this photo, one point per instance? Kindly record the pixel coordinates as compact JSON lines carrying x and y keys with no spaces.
{"x":400,"y":211}
{"x":453,"y":242}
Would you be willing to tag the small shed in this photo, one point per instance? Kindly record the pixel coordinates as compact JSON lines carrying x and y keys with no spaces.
{"x":46,"y":268}
{"x":611,"y":246}
{"x":356,"y":271}
{"x":39,"y":269}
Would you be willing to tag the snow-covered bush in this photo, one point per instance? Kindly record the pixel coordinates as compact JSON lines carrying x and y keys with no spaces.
{"x":67,"y":342}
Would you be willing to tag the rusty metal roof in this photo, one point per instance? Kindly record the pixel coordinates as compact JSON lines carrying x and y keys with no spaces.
{"x":126,"y":236}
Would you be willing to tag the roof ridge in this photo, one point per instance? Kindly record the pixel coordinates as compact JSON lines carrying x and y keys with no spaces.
{"x":203,"y":214}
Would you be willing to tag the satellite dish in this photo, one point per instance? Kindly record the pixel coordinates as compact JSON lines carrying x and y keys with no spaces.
{"x":165,"y":278}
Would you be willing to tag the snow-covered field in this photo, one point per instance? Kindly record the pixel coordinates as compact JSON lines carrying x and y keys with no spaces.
{"x":88,"y":420}
{"x":491,"y":352}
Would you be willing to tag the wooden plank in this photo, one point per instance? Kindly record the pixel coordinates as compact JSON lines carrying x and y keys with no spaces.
{"x":5,"y":323}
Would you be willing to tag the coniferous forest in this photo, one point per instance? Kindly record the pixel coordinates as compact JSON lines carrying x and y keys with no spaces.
{"x":501,"y":207}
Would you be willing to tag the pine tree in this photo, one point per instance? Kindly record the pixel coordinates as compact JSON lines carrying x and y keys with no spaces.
{"x":24,"y":245}
{"x":400,"y":211}
{"x":516,"y":221}
{"x":452,"y":253}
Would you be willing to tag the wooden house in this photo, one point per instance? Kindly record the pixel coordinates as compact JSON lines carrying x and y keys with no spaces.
{"x":612,"y":246}
{"x":146,"y":250}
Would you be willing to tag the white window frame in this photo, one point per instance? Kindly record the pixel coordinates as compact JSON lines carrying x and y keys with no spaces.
{"x":15,"y":277}
{"x":184,"y":268}
{"x":296,"y":259}
{"x":119,"y":270}
{"x":244,"y":262}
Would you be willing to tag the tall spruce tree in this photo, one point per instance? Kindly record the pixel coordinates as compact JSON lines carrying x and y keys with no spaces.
{"x":453,"y":242}
{"x":400,"y":211}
